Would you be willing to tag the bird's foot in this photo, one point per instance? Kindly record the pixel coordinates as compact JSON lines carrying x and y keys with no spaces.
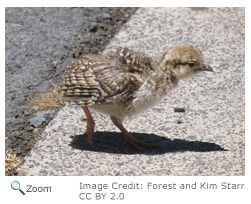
{"x":129,"y":138}
{"x":137,"y":143}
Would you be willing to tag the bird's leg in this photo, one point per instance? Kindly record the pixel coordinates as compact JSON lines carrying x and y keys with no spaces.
{"x":90,"y":124}
{"x":129,"y":138}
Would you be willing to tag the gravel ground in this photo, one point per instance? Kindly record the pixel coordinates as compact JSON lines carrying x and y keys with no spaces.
{"x":207,"y":139}
{"x":39,"y":44}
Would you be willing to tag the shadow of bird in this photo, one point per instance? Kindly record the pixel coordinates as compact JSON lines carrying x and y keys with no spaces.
{"x":108,"y":142}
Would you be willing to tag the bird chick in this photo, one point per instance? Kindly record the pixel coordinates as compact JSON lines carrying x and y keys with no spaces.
{"x":123,"y":83}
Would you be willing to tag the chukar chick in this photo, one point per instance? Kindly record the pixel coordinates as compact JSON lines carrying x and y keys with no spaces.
{"x":124,"y":83}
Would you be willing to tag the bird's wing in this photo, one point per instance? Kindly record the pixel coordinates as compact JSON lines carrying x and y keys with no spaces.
{"x":95,"y":79}
{"x":131,"y":61}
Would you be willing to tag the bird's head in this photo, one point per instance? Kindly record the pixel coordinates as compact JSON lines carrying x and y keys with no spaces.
{"x":184,"y":61}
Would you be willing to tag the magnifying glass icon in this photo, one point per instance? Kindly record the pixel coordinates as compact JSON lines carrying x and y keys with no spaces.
{"x":15,"y":185}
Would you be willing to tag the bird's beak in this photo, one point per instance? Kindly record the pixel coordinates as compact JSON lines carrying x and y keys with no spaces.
{"x":206,"y":67}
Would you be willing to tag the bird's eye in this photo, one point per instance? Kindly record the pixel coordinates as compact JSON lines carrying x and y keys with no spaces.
{"x":191,"y":64}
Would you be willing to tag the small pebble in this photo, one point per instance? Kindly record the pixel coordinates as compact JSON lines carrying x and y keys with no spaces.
{"x":38,"y":119}
{"x":35,"y":130}
{"x":179,"y":121}
{"x":179,"y":110}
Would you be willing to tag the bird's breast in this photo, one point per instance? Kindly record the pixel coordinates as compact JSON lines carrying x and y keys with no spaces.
{"x":148,"y":95}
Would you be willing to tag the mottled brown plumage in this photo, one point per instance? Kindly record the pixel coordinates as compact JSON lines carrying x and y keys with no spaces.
{"x":123,"y":82}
